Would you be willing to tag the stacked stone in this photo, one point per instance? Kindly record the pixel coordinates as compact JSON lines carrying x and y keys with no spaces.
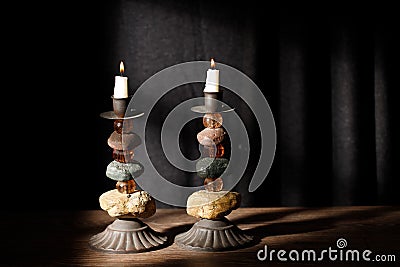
{"x":213,"y":202}
{"x":125,"y":200}
{"x":212,"y":166}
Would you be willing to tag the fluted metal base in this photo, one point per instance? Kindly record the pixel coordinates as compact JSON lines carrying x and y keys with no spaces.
{"x":127,"y":236}
{"x":214,"y":235}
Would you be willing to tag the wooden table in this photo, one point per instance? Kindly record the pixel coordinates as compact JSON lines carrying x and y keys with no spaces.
{"x":60,"y":238}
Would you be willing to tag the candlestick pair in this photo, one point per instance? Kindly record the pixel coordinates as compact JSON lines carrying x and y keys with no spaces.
{"x":128,"y":234}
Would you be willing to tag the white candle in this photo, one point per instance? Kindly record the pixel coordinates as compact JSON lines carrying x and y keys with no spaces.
{"x":212,"y":80}
{"x":121,"y":84}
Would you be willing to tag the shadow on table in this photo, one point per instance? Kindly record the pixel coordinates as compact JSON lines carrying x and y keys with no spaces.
{"x":316,"y":219}
{"x":174,"y":231}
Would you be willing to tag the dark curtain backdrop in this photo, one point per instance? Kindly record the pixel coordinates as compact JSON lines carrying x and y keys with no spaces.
{"x":329,"y":72}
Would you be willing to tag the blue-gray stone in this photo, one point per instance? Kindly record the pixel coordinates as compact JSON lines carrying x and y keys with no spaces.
{"x":119,"y":171}
{"x":211,"y":167}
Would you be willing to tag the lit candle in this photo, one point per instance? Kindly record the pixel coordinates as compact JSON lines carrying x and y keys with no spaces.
{"x":121,"y":84}
{"x":212,"y":80}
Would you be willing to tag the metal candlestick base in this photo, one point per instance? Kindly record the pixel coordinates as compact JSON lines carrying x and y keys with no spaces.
{"x":127,"y":236}
{"x":214,"y":235}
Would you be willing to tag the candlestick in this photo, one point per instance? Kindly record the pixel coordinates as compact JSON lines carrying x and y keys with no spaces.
{"x":128,"y":205}
{"x":212,"y":79}
{"x":121,"y":84}
{"x":213,"y":232}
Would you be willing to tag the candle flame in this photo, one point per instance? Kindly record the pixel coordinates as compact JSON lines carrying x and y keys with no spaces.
{"x":212,"y":63}
{"x":121,"y":67}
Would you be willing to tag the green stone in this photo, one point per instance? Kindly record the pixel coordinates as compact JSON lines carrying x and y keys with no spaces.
{"x":211,"y":167}
{"x":119,"y":171}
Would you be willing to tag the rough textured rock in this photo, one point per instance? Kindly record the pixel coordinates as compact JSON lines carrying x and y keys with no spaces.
{"x":209,"y":136}
{"x":119,"y":171}
{"x":211,"y":167}
{"x":212,"y":205}
{"x":136,"y":205}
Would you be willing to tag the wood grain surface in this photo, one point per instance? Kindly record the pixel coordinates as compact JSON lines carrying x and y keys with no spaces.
{"x":60,"y":238}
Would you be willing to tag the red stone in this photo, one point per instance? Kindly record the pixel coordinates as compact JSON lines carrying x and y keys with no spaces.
{"x":212,"y":120}
{"x":213,"y":184}
{"x":123,"y":156}
{"x":123,"y":126}
{"x":126,"y":187}
{"x":210,"y":136}
{"x":217,"y":151}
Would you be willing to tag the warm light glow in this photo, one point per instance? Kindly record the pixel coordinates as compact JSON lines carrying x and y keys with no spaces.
{"x":121,"y":67}
{"x":212,"y":63}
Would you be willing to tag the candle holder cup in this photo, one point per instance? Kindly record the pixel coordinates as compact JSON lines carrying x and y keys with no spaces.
{"x":120,"y":105}
{"x":127,"y":234}
{"x":212,"y":100}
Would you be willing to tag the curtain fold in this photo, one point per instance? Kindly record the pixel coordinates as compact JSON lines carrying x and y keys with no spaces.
{"x":386,"y":85}
{"x":353,"y":124}
{"x":293,"y":127}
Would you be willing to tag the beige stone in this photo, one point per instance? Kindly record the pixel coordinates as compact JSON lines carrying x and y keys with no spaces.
{"x":137,"y":205}
{"x":212,"y":205}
